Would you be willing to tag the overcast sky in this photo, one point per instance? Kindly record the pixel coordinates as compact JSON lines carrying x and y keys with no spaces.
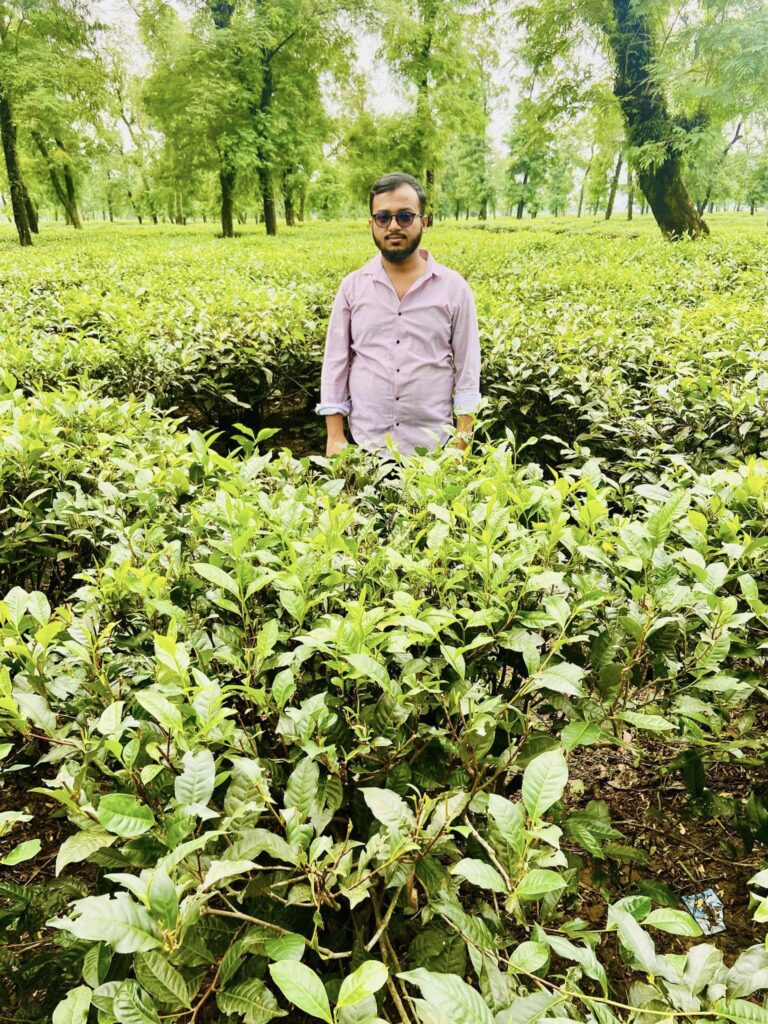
{"x":385,"y":97}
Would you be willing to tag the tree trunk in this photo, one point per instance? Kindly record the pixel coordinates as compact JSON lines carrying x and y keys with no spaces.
{"x":288,"y":205}
{"x":583,"y":188}
{"x":15,"y":180}
{"x":179,"y":216}
{"x":63,"y":186}
{"x":630,"y":193}
{"x":521,"y":201}
{"x":457,"y":210}
{"x":268,"y":200}
{"x":302,"y":206}
{"x":647,"y":120}
{"x":290,"y":220}
{"x":69,"y":185}
{"x":430,"y":190}
{"x":483,"y":214}
{"x":702,"y":204}
{"x":614,"y":188}
{"x":34,"y":222}
{"x":227,"y":180}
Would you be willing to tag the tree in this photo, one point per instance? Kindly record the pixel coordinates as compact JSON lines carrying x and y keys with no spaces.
{"x":236,"y":81}
{"x":716,"y":67}
{"x":631,"y":32}
{"x":650,"y":128}
{"x":529,"y":150}
{"x":51,"y":93}
{"x":438,"y":50}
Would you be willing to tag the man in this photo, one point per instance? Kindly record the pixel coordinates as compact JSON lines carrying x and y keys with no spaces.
{"x":402,"y":355}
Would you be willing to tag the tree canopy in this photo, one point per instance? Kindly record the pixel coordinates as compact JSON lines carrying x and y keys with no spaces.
{"x":263,"y":108}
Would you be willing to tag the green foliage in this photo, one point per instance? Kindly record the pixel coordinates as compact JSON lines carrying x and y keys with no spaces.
{"x":309,"y":738}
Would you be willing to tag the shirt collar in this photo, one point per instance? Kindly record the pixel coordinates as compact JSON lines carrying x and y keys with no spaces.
{"x":375,"y":267}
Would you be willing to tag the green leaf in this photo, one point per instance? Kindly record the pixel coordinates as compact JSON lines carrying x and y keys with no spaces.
{"x":24,"y":851}
{"x":749,"y":973}
{"x":479,"y":873}
{"x":286,"y":947}
{"x":701,"y":965}
{"x":509,"y":819}
{"x":38,"y":607}
{"x":529,"y":1009}
{"x":741,"y":1011}
{"x":634,"y":939}
{"x":124,"y":815}
{"x":163,"y":898}
{"x":449,"y":994}
{"x":302,"y":987}
{"x":302,"y":789}
{"x":649,"y":722}
{"x":118,"y":920}
{"x":676,"y":922}
{"x":367,"y":979}
{"x":579,"y":734}
{"x":537,"y":883}
{"x":364,"y":1012}
{"x":160,"y":979}
{"x":387,"y":807}
{"x":194,"y":787}
{"x":584,"y":956}
{"x":253,"y":841}
{"x":73,"y":1009}
{"x":543,"y":782}
{"x":96,"y":963}
{"x":367,"y":667}
{"x":561,"y":678}
{"x":219,"y":578}
{"x":160,"y":708}
{"x":133,"y":1006}
{"x":80,"y":846}
{"x":252,"y":999}
{"x":219,"y":870}
{"x":529,"y":956}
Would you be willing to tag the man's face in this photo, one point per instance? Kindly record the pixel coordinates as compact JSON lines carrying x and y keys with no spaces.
{"x":397,"y":242}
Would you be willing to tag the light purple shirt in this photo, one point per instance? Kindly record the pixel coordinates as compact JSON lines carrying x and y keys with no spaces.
{"x":401,"y":367}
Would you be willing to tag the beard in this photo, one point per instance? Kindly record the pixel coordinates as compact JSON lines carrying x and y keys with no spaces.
{"x":398,"y":255}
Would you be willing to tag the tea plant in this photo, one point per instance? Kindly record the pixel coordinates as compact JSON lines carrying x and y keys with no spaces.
{"x":281,"y":739}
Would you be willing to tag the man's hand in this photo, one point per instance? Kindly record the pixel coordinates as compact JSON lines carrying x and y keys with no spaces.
{"x":335,"y":445}
{"x":336,"y":438}
{"x":463,"y":427}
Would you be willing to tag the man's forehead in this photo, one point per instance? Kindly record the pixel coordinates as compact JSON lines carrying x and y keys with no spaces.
{"x":399,"y":198}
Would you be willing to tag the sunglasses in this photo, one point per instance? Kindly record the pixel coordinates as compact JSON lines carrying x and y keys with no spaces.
{"x":404,"y":218}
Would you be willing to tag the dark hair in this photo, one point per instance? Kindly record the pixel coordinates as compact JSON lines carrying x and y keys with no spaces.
{"x":390,"y":182}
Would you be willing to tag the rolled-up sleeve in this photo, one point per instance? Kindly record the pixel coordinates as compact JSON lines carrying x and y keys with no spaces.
{"x":334,"y":380}
{"x":466,"y":353}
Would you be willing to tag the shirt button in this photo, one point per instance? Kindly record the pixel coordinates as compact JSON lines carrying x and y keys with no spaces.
{"x":397,"y":398}
{"x":399,"y":314}
{"x":397,"y":342}
{"x":398,"y":369}
{"x":398,"y":423}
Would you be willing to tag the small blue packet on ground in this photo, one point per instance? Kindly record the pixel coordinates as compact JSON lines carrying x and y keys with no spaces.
{"x":706,"y":909}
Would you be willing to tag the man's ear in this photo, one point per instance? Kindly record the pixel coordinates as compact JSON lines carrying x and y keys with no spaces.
{"x":425,"y":220}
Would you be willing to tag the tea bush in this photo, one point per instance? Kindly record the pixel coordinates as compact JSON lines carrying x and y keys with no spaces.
{"x":304,"y":736}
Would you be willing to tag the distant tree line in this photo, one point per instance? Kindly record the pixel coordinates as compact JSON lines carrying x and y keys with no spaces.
{"x":255,"y":109}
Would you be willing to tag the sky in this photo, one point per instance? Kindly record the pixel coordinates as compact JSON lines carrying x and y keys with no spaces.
{"x":385,"y":97}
